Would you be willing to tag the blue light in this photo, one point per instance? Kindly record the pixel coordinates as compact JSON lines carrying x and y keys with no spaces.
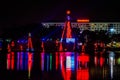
{"x":18,"y":41}
{"x":43,"y":39}
{"x":111,"y":54}
{"x":22,"y":41}
{"x":68,"y":40}
{"x":72,"y":62}
{"x":68,"y":17}
{"x":26,"y":41}
{"x":112,"y":30}
{"x":61,"y":40}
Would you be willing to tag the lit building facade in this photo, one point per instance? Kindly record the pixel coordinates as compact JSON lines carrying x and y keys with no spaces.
{"x":110,"y":27}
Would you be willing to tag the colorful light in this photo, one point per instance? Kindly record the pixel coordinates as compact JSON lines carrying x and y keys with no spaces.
{"x":47,"y":62}
{"x":42,"y":61}
{"x":18,"y":60}
{"x":83,"y":58}
{"x":21,"y":60}
{"x":26,"y":61}
{"x":42,"y":45}
{"x":118,"y":60}
{"x":83,"y":74}
{"x":29,"y":64}
{"x":8,"y":48}
{"x":12,"y":43}
{"x":30,"y":46}
{"x":72,"y":62}
{"x":101,"y":61}
{"x":83,"y":20}
{"x":68,"y":12}
{"x":57,"y":60}
{"x":8,"y":61}
{"x":96,"y":60}
{"x":68,"y":33}
{"x":68,"y":62}
{"x":21,"y":48}
{"x":50,"y":61}
{"x":12,"y":60}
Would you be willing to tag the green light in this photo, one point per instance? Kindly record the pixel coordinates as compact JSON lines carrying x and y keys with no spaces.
{"x":118,"y":60}
{"x":50,"y":61}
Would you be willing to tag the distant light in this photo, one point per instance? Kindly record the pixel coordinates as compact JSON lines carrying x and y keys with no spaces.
{"x":18,"y":41}
{"x":68,"y":17}
{"x":80,"y":44}
{"x":68,"y":40}
{"x":50,"y":39}
{"x":43,"y":39}
{"x":111,"y":54}
{"x":29,"y":34}
{"x":83,"y":20}
{"x":68,"y":62}
{"x":112,"y":30}
{"x":118,"y":60}
{"x":68,"y":12}
{"x":22,"y":41}
{"x":81,"y":32}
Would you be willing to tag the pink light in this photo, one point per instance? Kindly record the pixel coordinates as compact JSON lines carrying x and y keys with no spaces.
{"x":8,"y":61}
{"x":21,"y":60}
{"x":29,"y":63}
{"x":42,"y":60}
{"x":62,"y":58}
{"x":95,"y":60}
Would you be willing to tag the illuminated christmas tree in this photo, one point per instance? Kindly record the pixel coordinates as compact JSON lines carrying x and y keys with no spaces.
{"x":67,"y":33}
{"x":30,"y":45}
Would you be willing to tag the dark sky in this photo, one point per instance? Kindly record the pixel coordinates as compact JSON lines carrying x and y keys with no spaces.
{"x":16,"y":13}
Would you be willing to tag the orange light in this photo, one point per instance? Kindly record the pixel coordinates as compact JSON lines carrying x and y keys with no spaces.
{"x":82,"y":20}
{"x":68,"y":12}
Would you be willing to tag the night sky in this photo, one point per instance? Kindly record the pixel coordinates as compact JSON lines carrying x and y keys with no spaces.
{"x":18,"y":13}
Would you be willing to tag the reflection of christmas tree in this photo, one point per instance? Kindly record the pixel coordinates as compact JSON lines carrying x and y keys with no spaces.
{"x":30,"y":46}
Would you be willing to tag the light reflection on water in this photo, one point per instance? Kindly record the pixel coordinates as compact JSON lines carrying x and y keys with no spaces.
{"x":69,"y":65}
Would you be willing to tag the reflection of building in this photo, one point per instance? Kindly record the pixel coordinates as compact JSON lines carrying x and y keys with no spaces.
{"x":113,"y":27}
{"x":83,"y":74}
{"x":113,"y":45}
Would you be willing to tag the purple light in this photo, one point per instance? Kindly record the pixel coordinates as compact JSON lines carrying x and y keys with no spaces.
{"x":68,"y":17}
{"x":18,"y":41}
